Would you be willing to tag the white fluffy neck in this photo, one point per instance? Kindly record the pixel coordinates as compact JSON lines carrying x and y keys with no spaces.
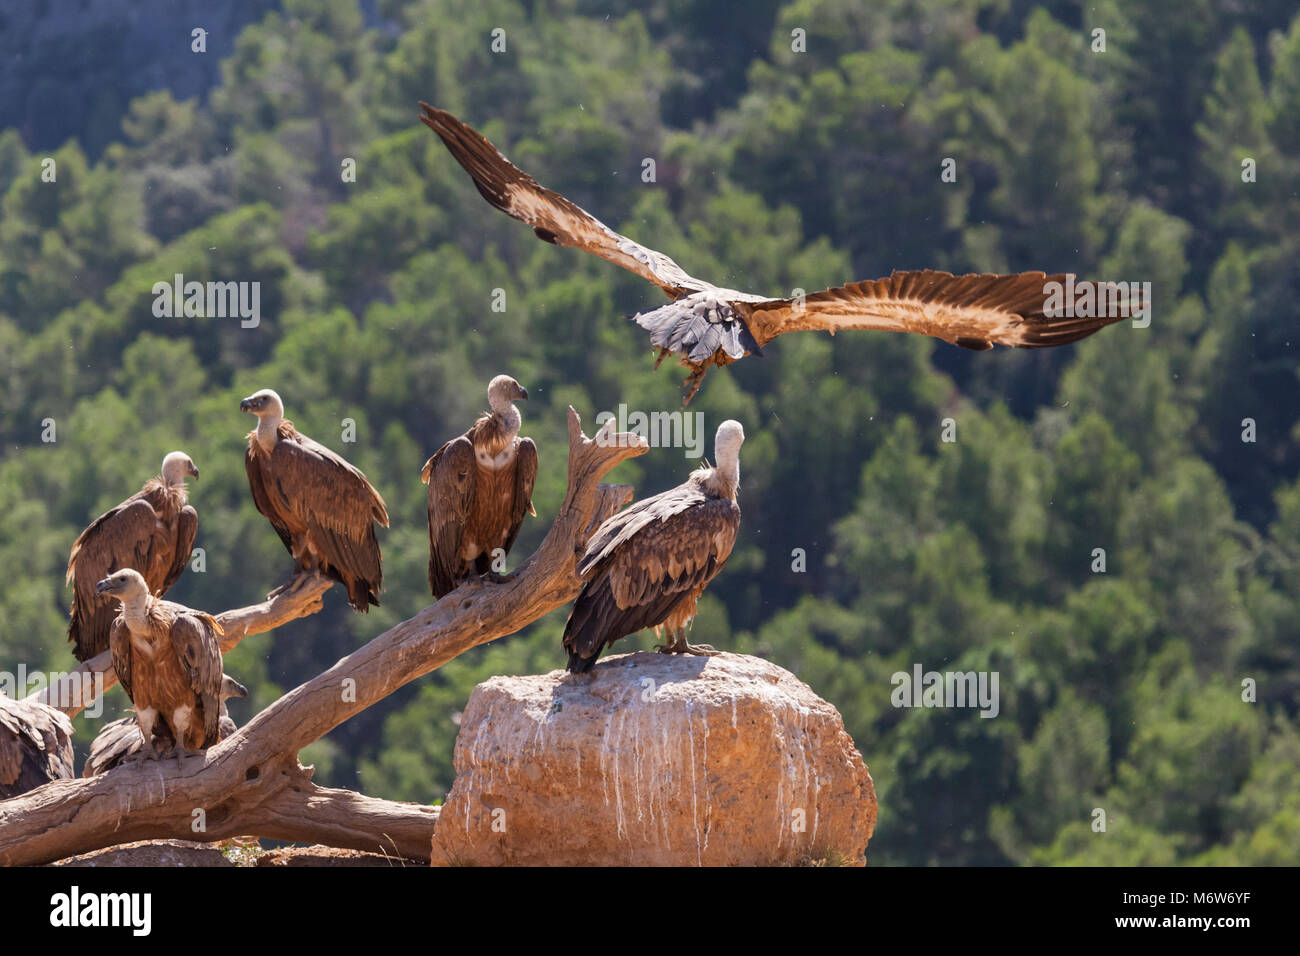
{"x":135,"y":611}
{"x":728,"y":470}
{"x":268,"y":430}
{"x":508,"y":412}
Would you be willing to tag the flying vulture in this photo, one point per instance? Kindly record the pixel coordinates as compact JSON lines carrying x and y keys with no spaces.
{"x":480,"y":488}
{"x":168,"y":660}
{"x":647,"y":565}
{"x":121,"y":740}
{"x":707,"y":325}
{"x":152,"y":531}
{"x":35,"y":746}
{"x":323,"y":508}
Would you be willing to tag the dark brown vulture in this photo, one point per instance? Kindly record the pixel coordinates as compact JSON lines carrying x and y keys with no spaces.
{"x":168,"y":660}
{"x":121,"y":740}
{"x":480,"y":488}
{"x":35,"y":746}
{"x":647,"y":565}
{"x":323,"y":508}
{"x":152,"y":531}
{"x":707,"y":325}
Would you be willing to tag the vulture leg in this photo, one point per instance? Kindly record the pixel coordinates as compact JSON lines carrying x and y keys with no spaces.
{"x":693,"y":381}
{"x":677,"y":644}
{"x":183,"y":753}
{"x":294,"y":582}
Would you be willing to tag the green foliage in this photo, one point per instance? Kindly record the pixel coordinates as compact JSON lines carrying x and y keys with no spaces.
{"x":1122,"y":690}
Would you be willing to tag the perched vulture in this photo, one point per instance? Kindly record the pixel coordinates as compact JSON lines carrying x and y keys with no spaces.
{"x":707,"y":325}
{"x":323,"y":508}
{"x":647,"y":565}
{"x":168,"y":660}
{"x":35,"y":746}
{"x":121,"y":740}
{"x":480,"y":488}
{"x":152,"y":531}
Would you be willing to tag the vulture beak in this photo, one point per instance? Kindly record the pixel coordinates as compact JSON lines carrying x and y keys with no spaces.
{"x":193,"y":470}
{"x":104,"y":585}
{"x":246,"y":405}
{"x":523,"y":393}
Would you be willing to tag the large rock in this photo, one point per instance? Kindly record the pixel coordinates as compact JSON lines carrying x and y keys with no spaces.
{"x":655,"y":759}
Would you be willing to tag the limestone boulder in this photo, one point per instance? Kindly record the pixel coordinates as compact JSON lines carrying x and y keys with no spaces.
{"x":655,"y":759}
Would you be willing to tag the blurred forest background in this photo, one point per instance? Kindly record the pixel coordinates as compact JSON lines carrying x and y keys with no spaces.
{"x":776,"y":169}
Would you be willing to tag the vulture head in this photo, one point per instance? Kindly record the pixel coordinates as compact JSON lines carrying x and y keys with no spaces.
{"x":176,"y":466}
{"x":266,"y":405}
{"x":232,"y":688}
{"x":503,"y":391}
{"x":126,"y":585}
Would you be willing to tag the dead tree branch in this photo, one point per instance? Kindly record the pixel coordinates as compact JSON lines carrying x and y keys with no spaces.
{"x":251,"y":783}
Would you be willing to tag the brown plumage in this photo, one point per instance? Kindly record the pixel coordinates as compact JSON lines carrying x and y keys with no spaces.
{"x":707,"y":325}
{"x":322,"y":507}
{"x":121,"y":740}
{"x":153,"y":532}
{"x":168,"y":660}
{"x":480,"y":488}
{"x":648,"y":565}
{"x":35,"y":746}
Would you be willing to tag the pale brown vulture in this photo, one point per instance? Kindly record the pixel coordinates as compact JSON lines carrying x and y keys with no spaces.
{"x":35,"y":746}
{"x":152,"y":531}
{"x":707,"y":325}
{"x":168,"y":660}
{"x":121,"y":740}
{"x":648,"y":565}
{"x":323,"y":508}
{"x":480,"y":488}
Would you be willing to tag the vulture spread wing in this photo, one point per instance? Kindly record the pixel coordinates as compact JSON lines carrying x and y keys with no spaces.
{"x":127,"y":536}
{"x":450,"y":474}
{"x":553,"y":218}
{"x":35,"y":746}
{"x":196,"y":639}
{"x":973,"y":311}
{"x":641,"y":562}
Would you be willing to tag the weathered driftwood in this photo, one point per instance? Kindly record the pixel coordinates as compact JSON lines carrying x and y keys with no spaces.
{"x":252,"y":784}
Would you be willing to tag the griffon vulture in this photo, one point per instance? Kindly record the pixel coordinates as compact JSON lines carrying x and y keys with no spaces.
{"x":168,"y":660}
{"x":152,"y":531}
{"x":707,"y":325}
{"x":323,"y":508}
{"x":647,"y":565}
{"x":121,"y":740}
{"x":35,"y":746}
{"x":480,"y":488}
